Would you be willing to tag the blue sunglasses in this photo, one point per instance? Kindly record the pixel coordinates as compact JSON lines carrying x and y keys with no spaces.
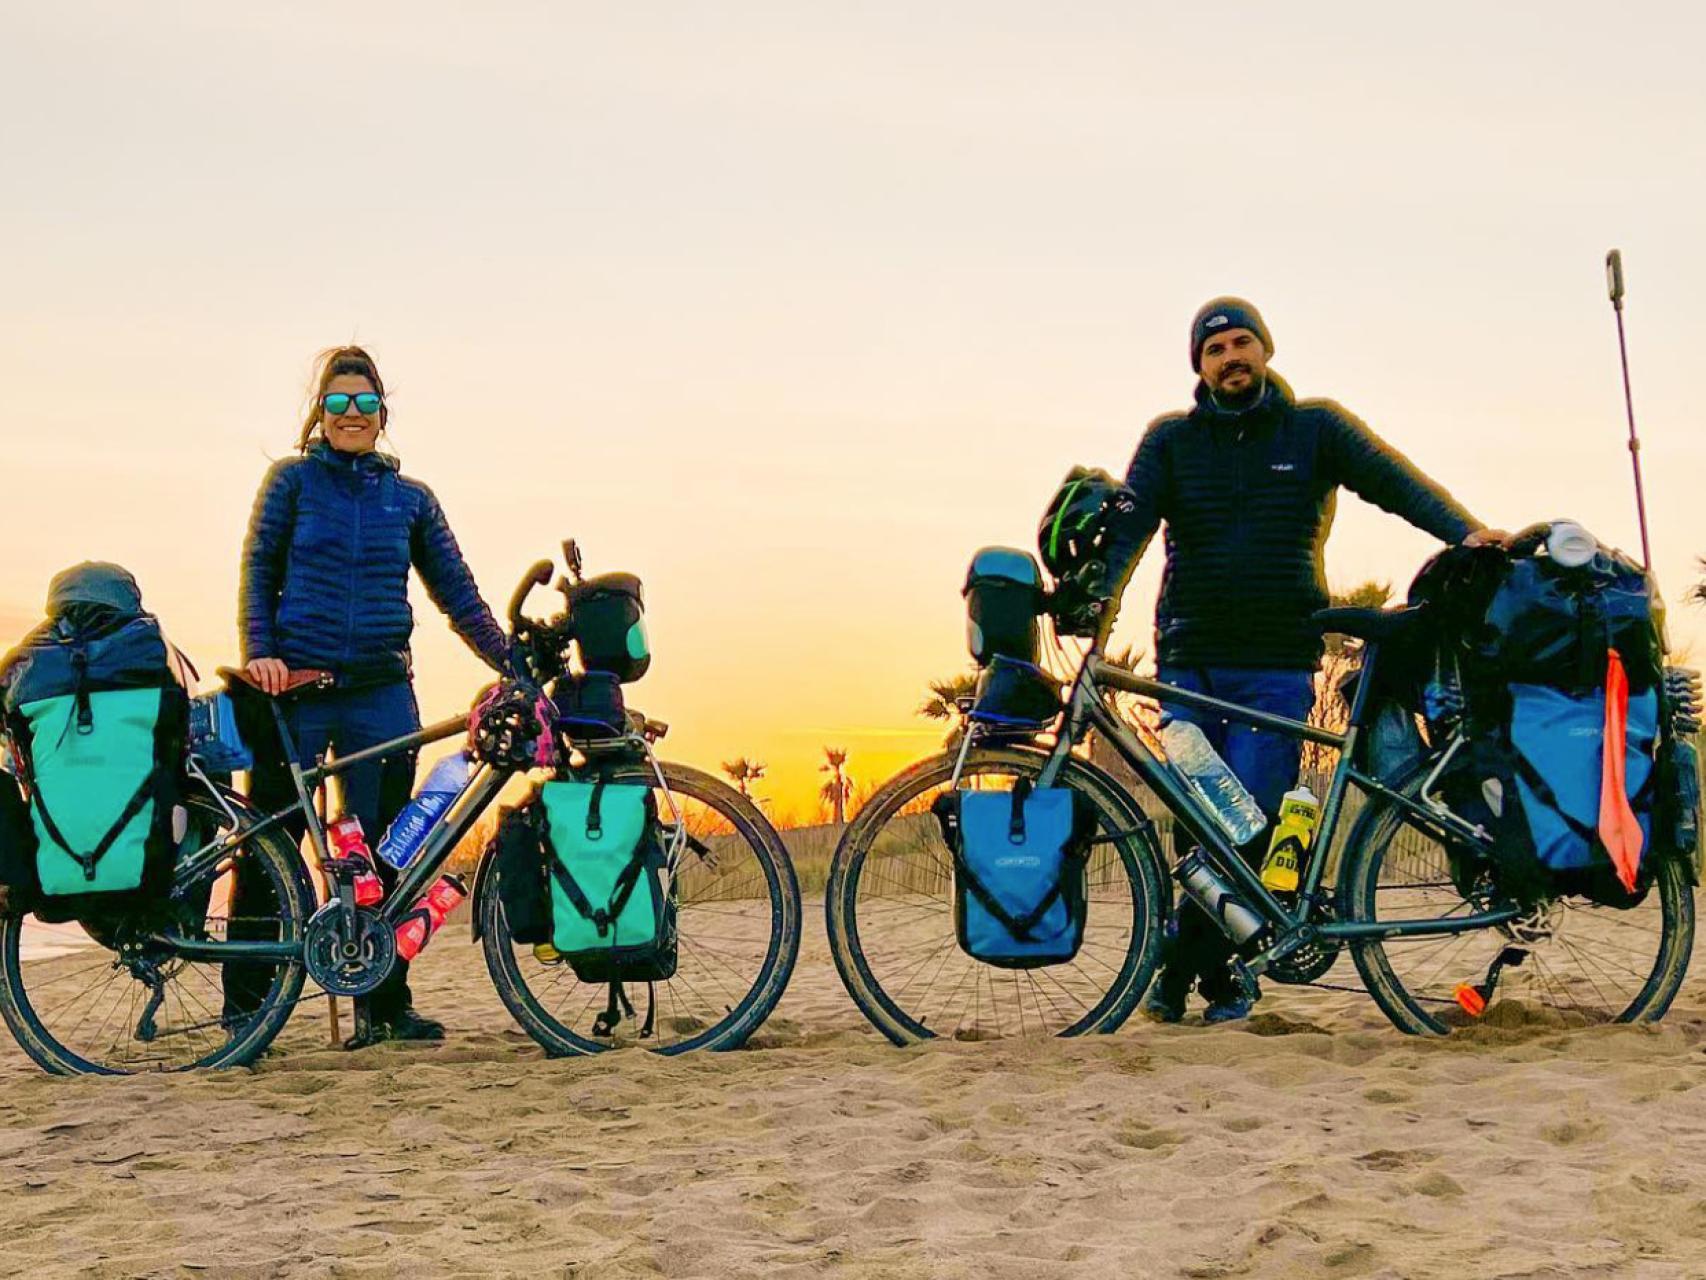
{"x":336,"y":404}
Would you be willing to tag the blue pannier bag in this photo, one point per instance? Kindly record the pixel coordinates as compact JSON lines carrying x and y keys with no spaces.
{"x":1019,"y":871}
{"x":1557,"y":740}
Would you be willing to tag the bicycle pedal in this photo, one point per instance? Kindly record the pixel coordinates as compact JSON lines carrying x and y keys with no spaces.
{"x":1243,"y":975}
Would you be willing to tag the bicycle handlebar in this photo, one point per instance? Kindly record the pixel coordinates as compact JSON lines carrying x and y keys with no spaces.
{"x":538,"y":576}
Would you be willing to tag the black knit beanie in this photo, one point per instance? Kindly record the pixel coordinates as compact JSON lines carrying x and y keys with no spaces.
{"x":1221,"y":314}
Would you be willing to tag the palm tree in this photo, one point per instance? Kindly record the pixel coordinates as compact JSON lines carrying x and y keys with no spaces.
{"x":839,"y":788}
{"x":943,"y":702}
{"x":743,"y":773}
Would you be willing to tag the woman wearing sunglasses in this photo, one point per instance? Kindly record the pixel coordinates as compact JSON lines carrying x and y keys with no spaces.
{"x":326,"y":565}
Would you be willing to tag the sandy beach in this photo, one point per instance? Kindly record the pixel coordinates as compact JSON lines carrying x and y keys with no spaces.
{"x":1312,"y":1141}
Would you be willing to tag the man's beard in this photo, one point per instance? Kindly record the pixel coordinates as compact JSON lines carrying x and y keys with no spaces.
{"x":1242,"y":399}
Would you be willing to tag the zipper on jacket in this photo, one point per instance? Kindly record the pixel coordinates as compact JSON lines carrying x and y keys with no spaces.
{"x":354,"y":572}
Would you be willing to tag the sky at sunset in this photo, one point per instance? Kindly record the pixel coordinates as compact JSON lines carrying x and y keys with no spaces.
{"x":788,"y":309}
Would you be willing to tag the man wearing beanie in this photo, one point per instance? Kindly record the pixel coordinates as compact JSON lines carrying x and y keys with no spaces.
{"x":1245,"y":482}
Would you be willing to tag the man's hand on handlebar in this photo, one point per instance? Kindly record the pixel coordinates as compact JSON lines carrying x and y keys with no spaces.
{"x":1489,"y":538}
{"x":270,"y":673}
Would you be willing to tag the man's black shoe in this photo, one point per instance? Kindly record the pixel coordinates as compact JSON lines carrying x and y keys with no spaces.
{"x":409,"y":1025}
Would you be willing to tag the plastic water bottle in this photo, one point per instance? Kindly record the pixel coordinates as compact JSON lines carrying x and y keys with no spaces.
{"x":408,"y":833}
{"x":1291,"y":840}
{"x":348,"y":841}
{"x":1234,"y":808}
{"x":424,"y":921}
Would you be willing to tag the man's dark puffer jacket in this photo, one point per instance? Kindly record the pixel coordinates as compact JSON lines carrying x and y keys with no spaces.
{"x":1248,"y":499}
{"x":326,"y":569}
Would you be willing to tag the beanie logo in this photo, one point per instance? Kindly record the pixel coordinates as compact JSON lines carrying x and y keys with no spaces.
{"x":1214,"y":322}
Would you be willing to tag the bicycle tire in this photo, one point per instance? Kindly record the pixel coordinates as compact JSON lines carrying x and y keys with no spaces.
{"x":745,"y":1015}
{"x":288,"y":877}
{"x":1419,"y":1008}
{"x":1139,"y":856}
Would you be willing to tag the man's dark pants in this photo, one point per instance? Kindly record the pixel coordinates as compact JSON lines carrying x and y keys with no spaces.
{"x":1266,"y":763}
{"x":342,"y":721}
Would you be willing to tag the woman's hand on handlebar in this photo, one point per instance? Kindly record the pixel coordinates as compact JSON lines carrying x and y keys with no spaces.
{"x":270,"y":673}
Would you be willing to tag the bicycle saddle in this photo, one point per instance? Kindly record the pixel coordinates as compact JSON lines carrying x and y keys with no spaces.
{"x":1377,"y":626}
{"x":298,"y":680}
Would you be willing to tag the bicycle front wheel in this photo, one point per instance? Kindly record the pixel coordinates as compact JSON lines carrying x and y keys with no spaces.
{"x":1570,"y":962}
{"x":738,"y":935}
{"x":100,"y":996}
{"x":889,"y":907}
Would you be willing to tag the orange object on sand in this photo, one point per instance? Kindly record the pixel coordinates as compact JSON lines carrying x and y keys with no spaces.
{"x":1619,"y":829}
{"x":1471,"y":999}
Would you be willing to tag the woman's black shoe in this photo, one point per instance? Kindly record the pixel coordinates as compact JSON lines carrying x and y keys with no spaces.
{"x":409,"y":1025}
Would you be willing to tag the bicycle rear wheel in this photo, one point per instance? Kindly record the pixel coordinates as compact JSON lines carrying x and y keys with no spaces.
{"x":738,"y":930}
{"x":1569,"y":962}
{"x":890,"y":913}
{"x":97,"y":996}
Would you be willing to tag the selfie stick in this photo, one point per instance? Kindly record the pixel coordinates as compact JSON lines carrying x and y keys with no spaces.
{"x":1614,"y":285}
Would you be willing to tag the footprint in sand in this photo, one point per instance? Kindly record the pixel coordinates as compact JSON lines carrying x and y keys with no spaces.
{"x":1134,"y":1133}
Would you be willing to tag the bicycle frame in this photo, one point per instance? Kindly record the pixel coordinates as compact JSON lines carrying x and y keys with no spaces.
{"x":481,"y":788}
{"x":470,"y":802}
{"x":1291,"y":928}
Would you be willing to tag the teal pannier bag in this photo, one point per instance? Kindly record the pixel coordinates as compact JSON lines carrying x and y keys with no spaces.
{"x":99,"y":719}
{"x":613,"y":917}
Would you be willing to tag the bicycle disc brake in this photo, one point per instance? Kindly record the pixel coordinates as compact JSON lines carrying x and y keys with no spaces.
{"x":344,"y":965}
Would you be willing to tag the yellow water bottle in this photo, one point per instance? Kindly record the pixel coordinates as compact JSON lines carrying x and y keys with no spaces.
{"x":1292,"y":835}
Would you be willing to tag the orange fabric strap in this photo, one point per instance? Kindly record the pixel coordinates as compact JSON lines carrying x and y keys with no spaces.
{"x":1619,"y":829}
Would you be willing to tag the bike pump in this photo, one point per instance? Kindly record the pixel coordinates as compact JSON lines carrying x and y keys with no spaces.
{"x":1614,"y":285}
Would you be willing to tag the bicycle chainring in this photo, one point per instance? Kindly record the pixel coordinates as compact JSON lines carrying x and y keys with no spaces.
{"x":1308,"y":963}
{"x":344,"y":966}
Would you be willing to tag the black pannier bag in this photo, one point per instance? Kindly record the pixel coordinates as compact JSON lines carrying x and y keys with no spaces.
{"x":524,"y":877}
{"x":98,"y":717}
{"x":590,"y":705}
{"x":1558,"y":658}
{"x":1004,"y":598}
{"x":1678,"y":817}
{"x":608,"y":618}
{"x":17,"y":846}
{"x":1016,"y":694}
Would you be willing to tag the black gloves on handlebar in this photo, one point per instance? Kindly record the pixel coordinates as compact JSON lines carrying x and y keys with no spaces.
{"x":1081,"y":600}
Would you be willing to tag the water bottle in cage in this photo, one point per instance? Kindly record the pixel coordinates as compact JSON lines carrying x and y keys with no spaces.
{"x":1233,"y":807}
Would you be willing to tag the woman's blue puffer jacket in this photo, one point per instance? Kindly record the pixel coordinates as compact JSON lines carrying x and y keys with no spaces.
{"x":326,"y":569}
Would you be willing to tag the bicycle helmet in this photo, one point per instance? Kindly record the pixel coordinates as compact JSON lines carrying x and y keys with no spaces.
{"x":1075,"y":526}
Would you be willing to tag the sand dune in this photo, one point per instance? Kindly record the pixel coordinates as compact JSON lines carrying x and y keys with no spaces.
{"x":1314,"y":1141}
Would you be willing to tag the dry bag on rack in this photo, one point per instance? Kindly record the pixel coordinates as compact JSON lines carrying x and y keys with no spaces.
{"x":608,"y":616}
{"x":1004,"y":598}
